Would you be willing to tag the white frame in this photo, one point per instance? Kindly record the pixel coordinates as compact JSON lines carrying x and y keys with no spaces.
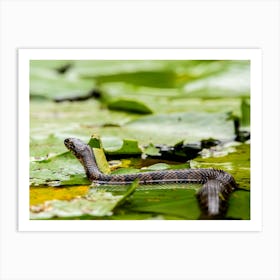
{"x":253,"y":55}
{"x":142,"y":24}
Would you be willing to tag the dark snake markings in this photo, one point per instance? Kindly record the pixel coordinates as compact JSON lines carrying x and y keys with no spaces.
{"x":213,"y":195}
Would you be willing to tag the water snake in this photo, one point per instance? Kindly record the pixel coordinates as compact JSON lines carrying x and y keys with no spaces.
{"x":212,"y":196}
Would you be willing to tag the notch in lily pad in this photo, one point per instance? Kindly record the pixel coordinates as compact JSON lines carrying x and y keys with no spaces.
{"x":117,"y":146}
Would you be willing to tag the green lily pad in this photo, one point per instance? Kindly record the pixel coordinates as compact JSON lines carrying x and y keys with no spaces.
{"x":192,"y":127}
{"x":162,"y":79}
{"x":158,"y":166}
{"x":236,"y":163}
{"x":65,"y":169}
{"x":233,"y":82}
{"x":176,"y":202}
{"x":129,"y":105}
{"x":49,"y":84}
{"x":60,"y":170}
{"x":117,"y":146}
{"x":189,"y":100}
{"x":96,"y":203}
{"x":239,"y":205}
{"x":151,"y":150}
{"x":100,"y":204}
{"x":91,"y":69}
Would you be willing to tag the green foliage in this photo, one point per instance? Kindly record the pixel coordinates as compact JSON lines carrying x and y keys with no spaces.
{"x":96,"y":203}
{"x":239,"y":205}
{"x":60,"y":170}
{"x":162,"y":79}
{"x":190,"y":127}
{"x":180,"y":203}
{"x":141,"y":104}
{"x":245,"y":112}
{"x":129,"y":105}
{"x":151,"y":150}
{"x":117,"y":146}
{"x":236,"y":163}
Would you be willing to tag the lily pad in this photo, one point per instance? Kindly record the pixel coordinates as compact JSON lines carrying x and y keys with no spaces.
{"x":39,"y":195}
{"x":239,"y":205}
{"x":61,"y":170}
{"x":158,"y":79}
{"x":151,"y":150}
{"x":187,"y":101}
{"x":129,"y":105}
{"x":236,"y":163}
{"x":192,"y":127}
{"x":96,"y":203}
{"x":234,"y":82}
{"x":176,"y":202}
{"x":50,"y":84}
{"x":158,"y":166}
{"x":91,"y":69}
{"x":100,"y":204}
{"x":117,"y":146}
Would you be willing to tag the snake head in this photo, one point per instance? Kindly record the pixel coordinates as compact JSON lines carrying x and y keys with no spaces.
{"x":76,"y":146}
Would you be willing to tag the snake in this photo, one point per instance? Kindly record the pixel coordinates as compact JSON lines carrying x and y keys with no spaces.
{"x":217,"y":185}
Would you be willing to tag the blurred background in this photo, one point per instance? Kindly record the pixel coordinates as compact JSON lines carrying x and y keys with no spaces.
{"x":156,"y":114}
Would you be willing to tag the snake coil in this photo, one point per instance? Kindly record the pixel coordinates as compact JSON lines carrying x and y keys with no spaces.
{"x":212,"y":197}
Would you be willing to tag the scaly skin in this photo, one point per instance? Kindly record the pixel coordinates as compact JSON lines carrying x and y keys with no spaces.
{"x":212,"y":197}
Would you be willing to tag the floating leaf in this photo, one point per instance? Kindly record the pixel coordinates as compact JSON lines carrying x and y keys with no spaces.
{"x":99,"y":204}
{"x":158,"y":166}
{"x":60,"y":170}
{"x":117,"y":146}
{"x":100,"y":68}
{"x":129,"y":105}
{"x":233,"y":82}
{"x":39,"y":195}
{"x":179,"y":93}
{"x":151,"y":150}
{"x":96,"y":203}
{"x":239,"y":205}
{"x":162,"y":79}
{"x":192,"y":127}
{"x":50,"y":84}
{"x":236,"y":163}
{"x":176,"y":202}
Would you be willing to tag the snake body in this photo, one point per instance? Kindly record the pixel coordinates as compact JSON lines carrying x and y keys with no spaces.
{"x":212,"y":197}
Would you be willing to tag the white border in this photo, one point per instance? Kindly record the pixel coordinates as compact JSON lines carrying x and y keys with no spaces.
{"x":254,"y":55}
